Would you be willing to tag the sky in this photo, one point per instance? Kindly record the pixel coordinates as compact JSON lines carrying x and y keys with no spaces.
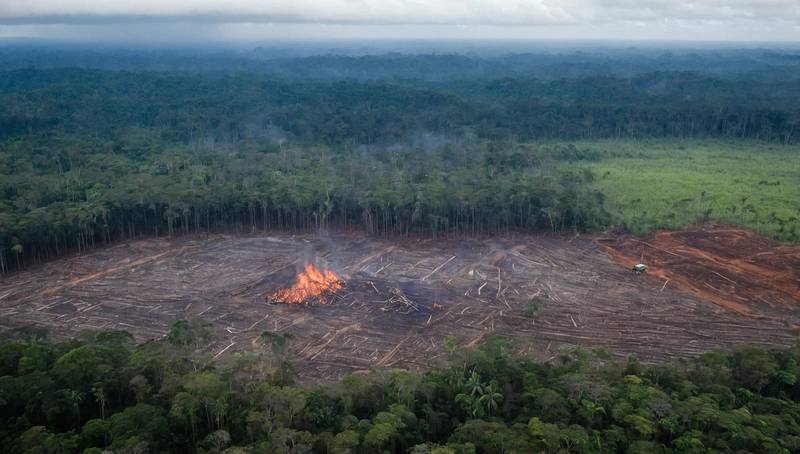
{"x":254,"y":20}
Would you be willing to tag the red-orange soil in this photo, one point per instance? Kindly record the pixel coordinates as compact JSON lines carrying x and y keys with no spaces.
{"x":737,"y":269}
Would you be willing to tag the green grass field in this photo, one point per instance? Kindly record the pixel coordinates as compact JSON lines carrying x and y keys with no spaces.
{"x":671,"y":184}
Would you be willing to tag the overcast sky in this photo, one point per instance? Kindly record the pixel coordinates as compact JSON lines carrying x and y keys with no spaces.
{"x":201,"y":20}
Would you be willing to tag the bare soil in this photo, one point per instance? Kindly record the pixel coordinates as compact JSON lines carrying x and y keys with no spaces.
{"x":403,"y":298}
{"x":734,"y":268}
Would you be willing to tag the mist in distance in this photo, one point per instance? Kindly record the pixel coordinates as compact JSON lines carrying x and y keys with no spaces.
{"x":250,"y":21}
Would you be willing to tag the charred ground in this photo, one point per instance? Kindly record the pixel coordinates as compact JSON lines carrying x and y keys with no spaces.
{"x":402,"y":299}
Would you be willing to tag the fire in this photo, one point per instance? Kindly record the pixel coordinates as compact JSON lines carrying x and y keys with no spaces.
{"x":312,"y":283}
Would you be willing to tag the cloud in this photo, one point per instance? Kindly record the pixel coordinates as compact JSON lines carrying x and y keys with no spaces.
{"x":395,"y":12}
{"x":731,"y":20}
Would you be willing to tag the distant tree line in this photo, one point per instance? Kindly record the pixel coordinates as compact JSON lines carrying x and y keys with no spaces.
{"x":73,"y":196}
{"x":434,"y":62}
{"x":186,"y":107}
{"x":90,"y":156}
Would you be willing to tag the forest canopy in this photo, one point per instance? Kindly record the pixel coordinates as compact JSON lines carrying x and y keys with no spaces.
{"x":101,"y":144}
{"x":101,"y":391}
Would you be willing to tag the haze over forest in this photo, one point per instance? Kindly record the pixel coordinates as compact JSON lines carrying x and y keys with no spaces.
{"x":183,"y":20}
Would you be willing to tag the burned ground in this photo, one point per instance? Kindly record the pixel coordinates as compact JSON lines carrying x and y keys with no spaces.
{"x":403,"y":298}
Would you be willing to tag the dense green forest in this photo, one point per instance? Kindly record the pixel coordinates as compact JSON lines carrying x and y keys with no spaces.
{"x":100,"y":144}
{"x":103,"y":392}
{"x":228,"y":107}
{"x":87,"y":194}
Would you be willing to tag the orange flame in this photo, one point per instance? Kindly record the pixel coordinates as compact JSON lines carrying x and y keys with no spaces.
{"x":311,"y":283}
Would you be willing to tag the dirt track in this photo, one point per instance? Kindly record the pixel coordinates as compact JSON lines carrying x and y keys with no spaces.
{"x":468,"y":289}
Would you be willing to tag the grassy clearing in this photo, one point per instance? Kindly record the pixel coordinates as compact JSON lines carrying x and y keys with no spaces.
{"x":671,"y":184}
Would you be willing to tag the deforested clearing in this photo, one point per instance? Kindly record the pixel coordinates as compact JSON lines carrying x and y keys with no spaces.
{"x":401,"y":301}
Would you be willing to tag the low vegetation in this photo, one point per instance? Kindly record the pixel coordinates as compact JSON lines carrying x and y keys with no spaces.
{"x":671,"y":184}
{"x":534,"y":307}
{"x":101,"y":392}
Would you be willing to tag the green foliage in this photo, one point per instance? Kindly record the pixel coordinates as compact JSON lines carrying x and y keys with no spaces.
{"x":450,"y":448}
{"x":667,"y":184}
{"x":83,"y":366}
{"x":534,"y":307}
{"x":547,"y":435}
{"x":387,"y":191}
{"x":204,"y":156}
{"x":189,"y":332}
{"x":491,"y":436}
{"x":394,"y":144}
{"x":95,"y":433}
{"x":38,"y":440}
{"x":138,"y":425}
{"x":346,"y":442}
{"x":485,"y":401}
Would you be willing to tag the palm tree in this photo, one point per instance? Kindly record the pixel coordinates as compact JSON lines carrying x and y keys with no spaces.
{"x":474,"y":385}
{"x":75,"y":398}
{"x":491,"y":398}
{"x":470,"y":404}
{"x":100,"y":397}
